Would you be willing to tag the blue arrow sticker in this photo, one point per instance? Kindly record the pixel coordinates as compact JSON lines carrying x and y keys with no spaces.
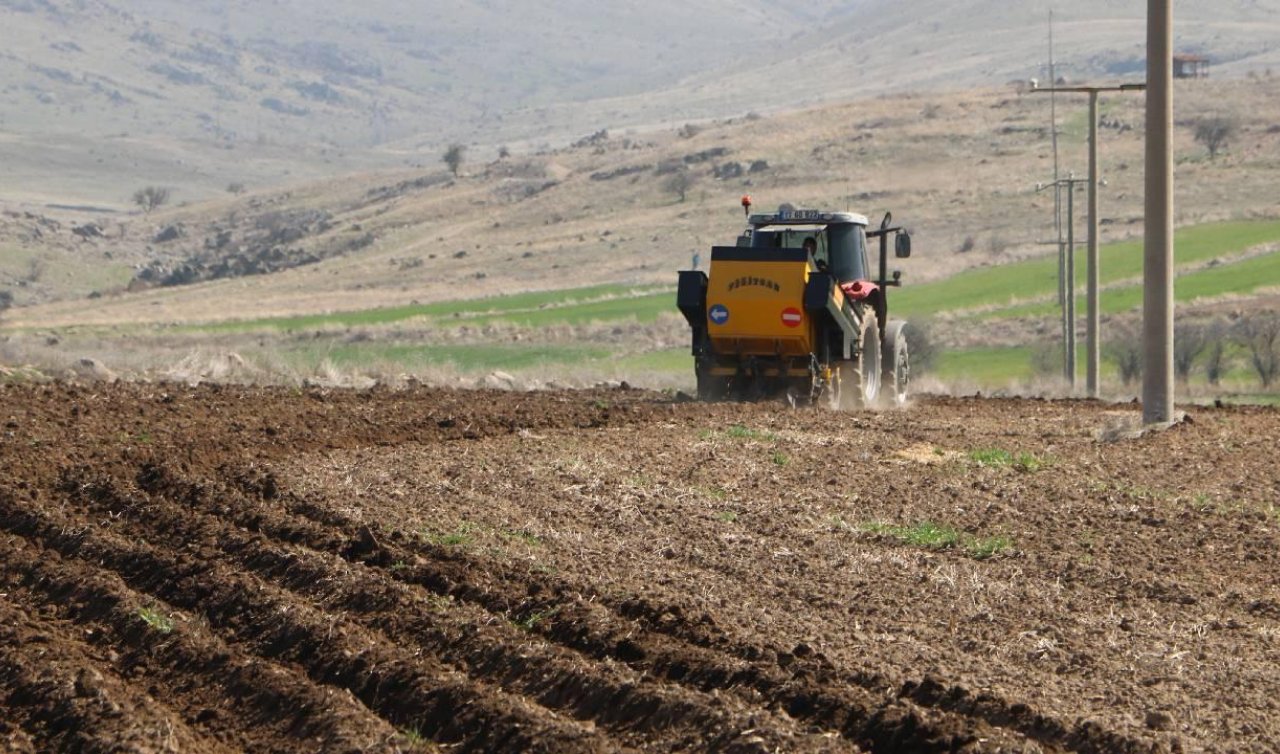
{"x":719,"y":314}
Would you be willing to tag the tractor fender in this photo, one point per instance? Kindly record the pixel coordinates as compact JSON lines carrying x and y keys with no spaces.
{"x":860,"y":290}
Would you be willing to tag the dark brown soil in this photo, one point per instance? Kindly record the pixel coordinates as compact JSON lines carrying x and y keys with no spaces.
{"x":236,"y":569}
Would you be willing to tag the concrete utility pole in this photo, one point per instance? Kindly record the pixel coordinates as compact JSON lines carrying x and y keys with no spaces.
{"x":1067,"y":277}
{"x":1094,"y":347}
{"x":1057,"y":175}
{"x":1157,"y":289}
{"x":1071,"y":282}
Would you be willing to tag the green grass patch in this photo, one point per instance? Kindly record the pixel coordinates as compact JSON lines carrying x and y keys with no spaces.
{"x":780,"y":459}
{"x":638,"y":308}
{"x":926,"y":534}
{"x":931,"y":536}
{"x":1252,"y":399}
{"x":522,"y":536}
{"x":715,"y":493}
{"x":985,"y":366}
{"x":727,"y":517}
{"x":413,"y":738}
{"x":741,"y":432}
{"x":573,"y":304}
{"x":997,"y":457}
{"x":534,"y":619}
{"x":988,"y":547}
{"x":463,"y":536}
{"x":667,"y":361}
{"x":156,"y":620}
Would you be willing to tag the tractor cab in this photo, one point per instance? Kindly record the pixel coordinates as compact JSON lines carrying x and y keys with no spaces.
{"x":836,"y":241}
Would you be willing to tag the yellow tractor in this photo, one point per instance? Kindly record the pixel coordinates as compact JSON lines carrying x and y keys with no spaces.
{"x":793,"y":309}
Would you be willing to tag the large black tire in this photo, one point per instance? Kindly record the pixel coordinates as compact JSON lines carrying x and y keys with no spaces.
{"x":897,"y":366}
{"x":866,"y":365}
{"x":855,"y":384}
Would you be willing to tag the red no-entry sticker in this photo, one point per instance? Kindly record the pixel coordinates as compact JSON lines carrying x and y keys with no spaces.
{"x":792,"y":317}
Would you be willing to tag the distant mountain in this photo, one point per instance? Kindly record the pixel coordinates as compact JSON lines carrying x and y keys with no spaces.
{"x":352,"y":74}
{"x":201,"y":93}
{"x":885,"y":46}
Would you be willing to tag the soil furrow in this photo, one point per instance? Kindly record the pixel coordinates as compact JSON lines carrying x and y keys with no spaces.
{"x":701,"y":657}
{"x":598,"y":570}
{"x":63,"y":702}
{"x":271,"y":707}
{"x":491,"y":648}
{"x":404,"y":688}
{"x":806,"y":689}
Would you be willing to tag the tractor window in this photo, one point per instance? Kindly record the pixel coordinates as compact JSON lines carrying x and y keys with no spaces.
{"x":848,"y":252}
{"x":792,"y":238}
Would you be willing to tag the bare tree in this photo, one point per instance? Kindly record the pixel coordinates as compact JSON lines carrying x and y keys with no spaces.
{"x":504,"y":152}
{"x":1189,"y":341}
{"x":1046,"y":360}
{"x":6,"y":300}
{"x":679,"y":183}
{"x":236,"y":188}
{"x":453,"y":157}
{"x":1216,"y":362}
{"x":1125,"y":349}
{"x":1214,"y":133}
{"x":151,"y":197}
{"x":1260,"y":334}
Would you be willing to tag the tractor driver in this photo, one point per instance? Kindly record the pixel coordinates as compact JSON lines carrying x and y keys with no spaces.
{"x":811,"y":245}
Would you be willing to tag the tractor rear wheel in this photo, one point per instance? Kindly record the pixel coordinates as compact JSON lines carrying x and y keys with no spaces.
{"x":897,"y":367}
{"x":863,"y":388}
{"x":859,"y":378}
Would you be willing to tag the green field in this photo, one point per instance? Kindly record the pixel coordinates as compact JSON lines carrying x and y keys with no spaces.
{"x":638,"y":308}
{"x":1030,"y":288}
{"x":572,"y":305}
{"x":984,"y":366}
{"x":1238,"y":278}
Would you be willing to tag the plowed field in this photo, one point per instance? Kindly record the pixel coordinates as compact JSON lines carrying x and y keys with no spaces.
{"x":246,"y":569}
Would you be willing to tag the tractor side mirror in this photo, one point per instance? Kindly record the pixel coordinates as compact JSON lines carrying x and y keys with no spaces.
{"x":902,"y":245}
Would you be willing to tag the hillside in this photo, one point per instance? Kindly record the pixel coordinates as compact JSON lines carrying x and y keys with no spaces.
{"x":558,"y":265}
{"x":961,"y":169}
{"x":98,"y":97}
